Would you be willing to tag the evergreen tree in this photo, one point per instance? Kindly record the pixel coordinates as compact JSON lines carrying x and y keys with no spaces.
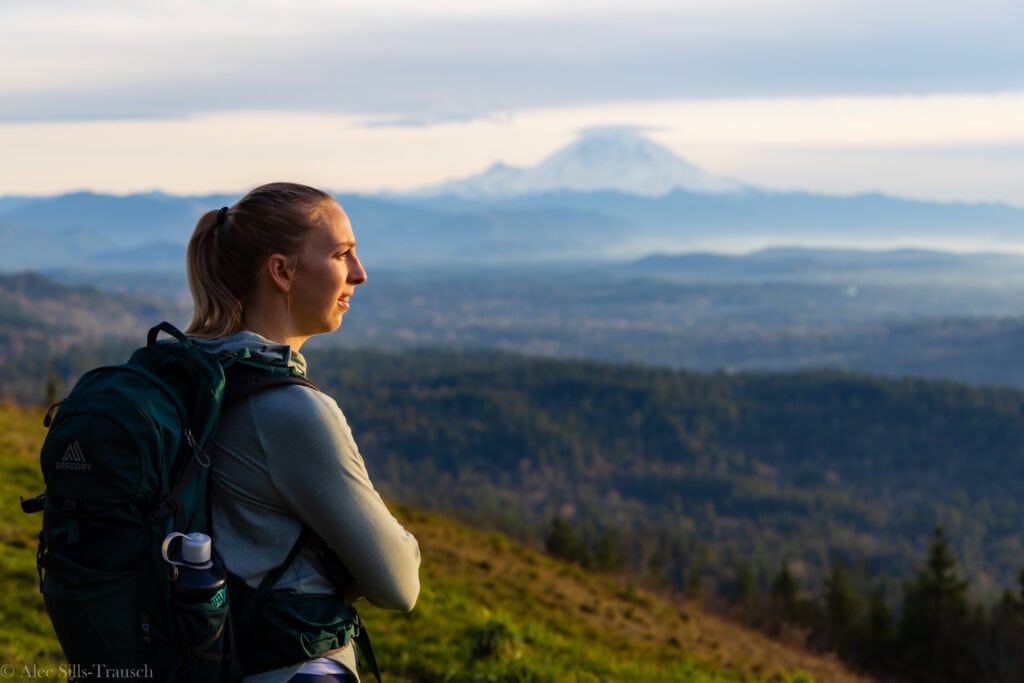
{"x":609,"y":555}
{"x":562,"y":542}
{"x":936,"y":619}
{"x":743,"y":594}
{"x":879,"y":633}
{"x":694,"y":583}
{"x":998,"y":639}
{"x":784,"y":593}
{"x":784,"y":590}
{"x":843,"y":606}
{"x":51,"y":391}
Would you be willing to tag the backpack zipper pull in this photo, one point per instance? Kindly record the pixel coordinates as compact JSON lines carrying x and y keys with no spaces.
{"x":201,"y":455}
{"x":48,"y":420}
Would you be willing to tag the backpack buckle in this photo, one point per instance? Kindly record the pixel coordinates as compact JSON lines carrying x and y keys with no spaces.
{"x":167,"y":506}
{"x":33,"y":504}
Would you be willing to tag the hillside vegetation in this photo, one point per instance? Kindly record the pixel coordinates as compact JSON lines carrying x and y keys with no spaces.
{"x":49,"y":330}
{"x":689,"y":476}
{"x":490,"y":609}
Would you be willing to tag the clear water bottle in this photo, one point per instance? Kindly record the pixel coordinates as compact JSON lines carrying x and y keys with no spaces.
{"x":198,"y":580}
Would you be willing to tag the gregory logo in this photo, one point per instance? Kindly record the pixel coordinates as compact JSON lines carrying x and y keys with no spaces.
{"x":74,"y":459}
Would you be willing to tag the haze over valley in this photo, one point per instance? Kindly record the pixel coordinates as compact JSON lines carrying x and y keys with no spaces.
{"x":571,"y":258}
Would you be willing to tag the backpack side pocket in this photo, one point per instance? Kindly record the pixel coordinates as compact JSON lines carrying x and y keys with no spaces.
{"x":204,"y":630}
{"x":94,"y":613}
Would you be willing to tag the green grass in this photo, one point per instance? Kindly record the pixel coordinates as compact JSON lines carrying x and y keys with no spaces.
{"x":26,"y":637}
{"x":490,"y":610}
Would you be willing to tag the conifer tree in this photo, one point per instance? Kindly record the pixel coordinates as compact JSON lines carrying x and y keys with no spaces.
{"x":843,"y":606}
{"x":784,"y":587}
{"x":743,"y":594}
{"x":51,"y":390}
{"x":608,"y":556}
{"x":563,"y":542}
{"x":935,"y":618}
{"x":880,"y":631}
{"x":784,"y":591}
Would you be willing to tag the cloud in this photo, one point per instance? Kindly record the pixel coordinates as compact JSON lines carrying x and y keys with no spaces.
{"x":455,"y":60}
{"x":187,"y":95}
{"x":965,"y":147}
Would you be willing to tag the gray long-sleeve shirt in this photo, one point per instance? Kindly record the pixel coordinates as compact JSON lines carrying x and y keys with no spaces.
{"x":286,"y":456}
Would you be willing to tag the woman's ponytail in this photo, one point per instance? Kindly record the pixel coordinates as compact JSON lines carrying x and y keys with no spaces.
{"x":217,"y":310}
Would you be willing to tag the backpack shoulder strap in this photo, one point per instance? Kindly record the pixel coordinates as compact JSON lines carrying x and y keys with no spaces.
{"x":246,"y":377}
{"x":170,"y":329}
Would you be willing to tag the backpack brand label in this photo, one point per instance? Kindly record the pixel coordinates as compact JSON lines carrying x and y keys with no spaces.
{"x":73,"y":460}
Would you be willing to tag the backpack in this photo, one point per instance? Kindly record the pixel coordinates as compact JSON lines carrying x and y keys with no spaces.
{"x":124,"y":466}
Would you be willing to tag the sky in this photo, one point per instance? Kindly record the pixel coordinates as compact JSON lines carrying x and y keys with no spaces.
{"x":922,"y":99}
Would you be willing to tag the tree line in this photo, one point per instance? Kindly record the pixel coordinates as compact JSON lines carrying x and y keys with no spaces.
{"x":932,"y":630}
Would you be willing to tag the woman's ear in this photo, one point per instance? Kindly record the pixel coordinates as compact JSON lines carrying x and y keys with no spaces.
{"x":281,"y":272}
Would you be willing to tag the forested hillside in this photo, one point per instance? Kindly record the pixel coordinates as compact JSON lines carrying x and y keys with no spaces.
{"x":873,"y":517}
{"x":694,"y":474}
{"x":50,"y":332}
{"x":686,"y":475}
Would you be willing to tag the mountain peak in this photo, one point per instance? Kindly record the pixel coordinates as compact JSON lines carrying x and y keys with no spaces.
{"x":617,"y":158}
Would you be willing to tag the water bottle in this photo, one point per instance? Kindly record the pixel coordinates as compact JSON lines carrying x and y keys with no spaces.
{"x":198,"y":580}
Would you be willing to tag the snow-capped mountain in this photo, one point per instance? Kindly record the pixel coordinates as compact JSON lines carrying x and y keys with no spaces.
{"x":618,"y":159}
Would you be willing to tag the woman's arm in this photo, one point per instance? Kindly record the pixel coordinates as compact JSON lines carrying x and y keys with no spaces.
{"x":317,"y":468}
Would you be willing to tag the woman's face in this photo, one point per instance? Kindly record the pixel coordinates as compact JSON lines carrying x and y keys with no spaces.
{"x":327,"y":274}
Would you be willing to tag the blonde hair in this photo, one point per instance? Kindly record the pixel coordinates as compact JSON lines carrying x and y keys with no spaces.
{"x":229,"y":247}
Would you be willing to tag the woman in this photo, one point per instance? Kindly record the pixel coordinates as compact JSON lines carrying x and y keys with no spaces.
{"x":266,"y":275}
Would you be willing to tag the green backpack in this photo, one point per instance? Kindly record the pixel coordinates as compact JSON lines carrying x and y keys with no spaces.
{"x":124,"y":467}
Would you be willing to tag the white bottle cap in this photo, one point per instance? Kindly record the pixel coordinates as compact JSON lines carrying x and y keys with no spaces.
{"x":196,"y":548}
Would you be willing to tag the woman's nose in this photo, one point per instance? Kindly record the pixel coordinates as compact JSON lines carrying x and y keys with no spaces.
{"x":356,"y":274}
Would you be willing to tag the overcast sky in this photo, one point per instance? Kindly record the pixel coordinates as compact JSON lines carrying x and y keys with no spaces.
{"x":914,"y":98}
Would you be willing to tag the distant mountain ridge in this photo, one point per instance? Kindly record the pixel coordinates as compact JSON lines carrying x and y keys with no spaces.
{"x":615,"y":159}
{"x":612,"y":195}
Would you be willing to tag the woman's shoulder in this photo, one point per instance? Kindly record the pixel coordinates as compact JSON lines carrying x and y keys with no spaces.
{"x":298,"y":401}
{"x":296,"y":418}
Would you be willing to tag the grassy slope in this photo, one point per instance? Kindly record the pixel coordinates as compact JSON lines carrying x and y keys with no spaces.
{"x":490,"y":610}
{"x":25,"y":633}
